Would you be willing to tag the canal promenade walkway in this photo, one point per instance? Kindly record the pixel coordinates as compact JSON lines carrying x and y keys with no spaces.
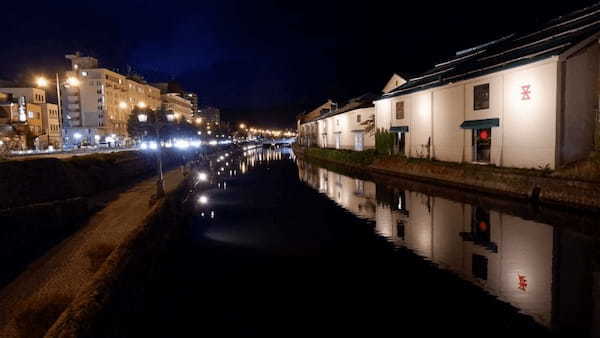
{"x":34,"y":300}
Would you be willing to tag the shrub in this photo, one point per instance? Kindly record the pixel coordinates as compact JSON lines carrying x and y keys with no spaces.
{"x":384,"y":142}
{"x":362,"y":158}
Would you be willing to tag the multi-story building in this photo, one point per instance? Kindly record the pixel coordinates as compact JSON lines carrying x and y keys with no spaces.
{"x":13,"y":124}
{"x":51,"y":124}
{"x":180,"y":107}
{"x":97,"y":103}
{"x":209,"y":115}
{"x":41,"y":117}
{"x":193,"y":98}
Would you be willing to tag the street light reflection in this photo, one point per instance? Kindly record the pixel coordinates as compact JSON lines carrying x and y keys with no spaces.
{"x":203,"y":199}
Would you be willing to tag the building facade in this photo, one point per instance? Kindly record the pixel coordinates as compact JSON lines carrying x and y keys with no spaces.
{"x":526,"y":101}
{"x":42,"y":118}
{"x":180,"y":107}
{"x":209,"y":115}
{"x":97,"y":103}
{"x":349,"y":127}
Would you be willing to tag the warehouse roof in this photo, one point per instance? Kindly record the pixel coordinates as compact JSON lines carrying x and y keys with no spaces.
{"x":550,"y":39}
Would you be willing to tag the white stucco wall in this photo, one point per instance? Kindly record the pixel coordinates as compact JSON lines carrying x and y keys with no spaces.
{"x":530,"y":125}
{"x":527,"y":133}
{"x":448,"y":114}
{"x":346,"y":126}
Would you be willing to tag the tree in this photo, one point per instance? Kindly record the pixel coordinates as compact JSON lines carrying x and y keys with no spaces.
{"x":158,"y":119}
{"x":137,"y":129}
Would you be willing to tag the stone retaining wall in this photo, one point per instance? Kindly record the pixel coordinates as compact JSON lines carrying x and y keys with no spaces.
{"x":118,"y":286}
{"x":537,"y":188}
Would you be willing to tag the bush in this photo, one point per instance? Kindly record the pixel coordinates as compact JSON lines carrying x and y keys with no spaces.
{"x":362,"y":158}
{"x":384,"y":142}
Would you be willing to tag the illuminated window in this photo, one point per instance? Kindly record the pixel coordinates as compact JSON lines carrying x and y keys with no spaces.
{"x":84,"y":73}
{"x":481,"y":97}
{"x":399,"y":110}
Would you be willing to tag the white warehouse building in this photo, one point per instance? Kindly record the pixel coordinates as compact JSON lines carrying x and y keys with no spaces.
{"x":349,"y":127}
{"x":527,"y":101}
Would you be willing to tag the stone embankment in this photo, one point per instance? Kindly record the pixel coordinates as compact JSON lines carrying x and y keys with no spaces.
{"x":119,"y":244}
{"x":535,"y":186}
{"x":43,"y":200}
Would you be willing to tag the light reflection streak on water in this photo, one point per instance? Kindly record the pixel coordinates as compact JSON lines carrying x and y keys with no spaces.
{"x":508,"y":256}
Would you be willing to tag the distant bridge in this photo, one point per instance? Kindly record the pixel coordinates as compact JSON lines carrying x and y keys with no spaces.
{"x":278,"y":141}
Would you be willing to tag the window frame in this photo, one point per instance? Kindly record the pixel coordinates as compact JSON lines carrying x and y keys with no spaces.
{"x":477,"y":96}
{"x":402,"y":110}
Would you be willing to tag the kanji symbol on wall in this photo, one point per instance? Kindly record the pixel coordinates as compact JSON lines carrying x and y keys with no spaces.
{"x":525,"y":92}
{"x":522,"y":282}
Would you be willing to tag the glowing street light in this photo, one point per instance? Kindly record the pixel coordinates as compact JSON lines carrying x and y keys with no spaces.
{"x":41,"y":81}
{"x":73,"y":81}
{"x":203,"y":199}
{"x":160,"y":183}
{"x":123,"y":105}
{"x":202,"y":177}
{"x":141,"y":104}
{"x":242,"y":126}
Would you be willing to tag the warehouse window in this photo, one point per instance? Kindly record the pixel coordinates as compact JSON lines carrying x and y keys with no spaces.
{"x":399,"y":110}
{"x":481,"y":97}
{"x":479,"y":266}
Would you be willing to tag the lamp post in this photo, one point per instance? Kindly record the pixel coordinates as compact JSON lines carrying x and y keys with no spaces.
{"x":143,"y":118}
{"x":43,"y":82}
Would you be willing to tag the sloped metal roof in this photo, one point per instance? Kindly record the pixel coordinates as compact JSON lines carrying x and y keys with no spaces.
{"x":550,"y":39}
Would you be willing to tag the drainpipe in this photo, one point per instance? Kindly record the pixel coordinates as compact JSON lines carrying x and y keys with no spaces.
{"x":431,"y":148}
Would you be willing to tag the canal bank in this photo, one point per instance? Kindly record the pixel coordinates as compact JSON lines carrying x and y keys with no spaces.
{"x":537,"y":186}
{"x":31,"y":303}
{"x":283,"y":247}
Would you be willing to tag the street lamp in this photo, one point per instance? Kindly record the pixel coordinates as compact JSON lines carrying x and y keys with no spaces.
{"x":143,"y":118}
{"x":41,"y":81}
{"x":73,"y":81}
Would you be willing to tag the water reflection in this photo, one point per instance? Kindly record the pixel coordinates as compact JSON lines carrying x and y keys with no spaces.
{"x":545,"y":272}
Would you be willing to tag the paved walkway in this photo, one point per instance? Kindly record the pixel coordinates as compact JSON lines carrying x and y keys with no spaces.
{"x":58,"y":276}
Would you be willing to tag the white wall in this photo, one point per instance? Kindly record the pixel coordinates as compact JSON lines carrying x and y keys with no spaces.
{"x":448,"y":114}
{"x":420,"y":128}
{"x":527,"y":132}
{"x":580,"y":104}
{"x":345,"y":125}
{"x":529,"y":126}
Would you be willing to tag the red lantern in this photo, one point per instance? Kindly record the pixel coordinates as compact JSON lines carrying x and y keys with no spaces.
{"x":483,"y":226}
{"x":484,"y":135}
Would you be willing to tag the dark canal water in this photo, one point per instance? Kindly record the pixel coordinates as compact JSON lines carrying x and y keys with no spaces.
{"x":281,"y":247}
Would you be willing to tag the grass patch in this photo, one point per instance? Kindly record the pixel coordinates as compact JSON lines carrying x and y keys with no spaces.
{"x":38,"y":317}
{"x":362,"y":158}
{"x":584,"y":170}
{"x":98,"y":255}
{"x":588,"y":169}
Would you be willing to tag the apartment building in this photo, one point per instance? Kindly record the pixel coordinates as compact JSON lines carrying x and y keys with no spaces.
{"x":42,"y":118}
{"x":179,"y":106}
{"x":97,"y":102}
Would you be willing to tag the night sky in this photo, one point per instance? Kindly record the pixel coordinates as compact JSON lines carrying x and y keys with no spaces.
{"x":262,"y":62}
